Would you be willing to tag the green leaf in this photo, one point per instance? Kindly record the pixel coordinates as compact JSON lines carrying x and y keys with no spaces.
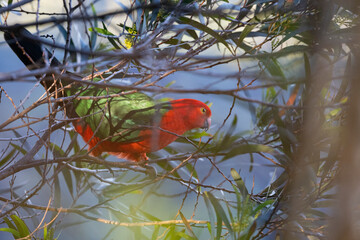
{"x":24,"y":142}
{"x":192,"y":33}
{"x":172,"y":233}
{"x":291,"y":50}
{"x":238,"y":199}
{"x":251,"y":231}
{"x":239,"y":182}
{"x":45,"y":233}
{"x":7,"y":157}
{"x":273,"y":67}
{"x":49,"y":233}
{"x":196,"y":135}
{"x":192,"y":170}
{"x":228,"y":139}
{"x":220,"y":212}
{"x":291,"y":34}
{"x":280,"y":181}
{"x":181,"y":44}
{"x":9,"y":223}
{"x":102,"y":31}
{"x":93,"y":35}
{"x":56,"y":150}
{"x":64,"y":33}
{"x":205,"y":29}
{"x":218,"y":226}
{"x":167,"y":167}
{"x":262,"y":205}
{"x":244,"y":33}
{"x":68,"y":180}
{"x":106,"y":32}
{"x":187,"y":225}
{"x":74,"y":144}
{"x":128,"y":29}
{"x":211,"y":216}
{"x":167,"y":86}
{"x":148,"y":215}
{"x":14,"y":232}
{"x":247,"y":148}
{"x":155,"y":233}
{"x":57,"y":194}
{"x":21,"y":226}
{"x":182,"y":235}
{"x":20,"y":149}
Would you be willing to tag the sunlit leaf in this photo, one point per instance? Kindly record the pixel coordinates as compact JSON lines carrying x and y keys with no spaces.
{"x":9,"y":223}
{"x":21,"y":226}
{"x":14,"y":232}
{"x":155,"y":233}
{"x":239,"y":182}
{"x":187,"y":225}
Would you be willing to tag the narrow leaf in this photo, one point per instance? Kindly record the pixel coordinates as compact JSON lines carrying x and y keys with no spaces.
{"x":211,"y":215}
{"x":7,"y":157}
{"x":68,"y":180}
{"x":155,"y":233}
{"x":247,"y":148}
{"x":239,"y":182}
{"x":205,"y":29}
{"x":245,"y":33}
{"x":9,"y":223}
{"x":187,"y":225}
{"x":21,"y":226}
{"x":20,"y":149}
{"x":15,"y":233}
{"x":220,"y":211}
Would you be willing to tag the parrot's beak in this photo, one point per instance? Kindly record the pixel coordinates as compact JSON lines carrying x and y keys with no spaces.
{"x":207,"y":124}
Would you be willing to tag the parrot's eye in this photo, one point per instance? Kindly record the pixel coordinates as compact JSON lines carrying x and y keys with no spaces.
{"x":203,"y":110}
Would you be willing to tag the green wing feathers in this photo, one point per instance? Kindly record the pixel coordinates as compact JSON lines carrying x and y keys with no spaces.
{"x":120,"y":118}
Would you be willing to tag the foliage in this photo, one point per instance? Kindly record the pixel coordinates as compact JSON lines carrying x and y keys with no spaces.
{"x":287,"y":63}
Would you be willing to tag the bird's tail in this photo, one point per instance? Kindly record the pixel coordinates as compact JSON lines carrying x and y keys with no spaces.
{"x":28,"y":49}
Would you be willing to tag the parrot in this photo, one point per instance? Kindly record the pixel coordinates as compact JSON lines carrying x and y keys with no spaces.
{"x":127,"y":124}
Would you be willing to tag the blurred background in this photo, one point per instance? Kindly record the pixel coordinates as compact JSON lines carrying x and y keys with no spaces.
{"x":280,"y":160}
